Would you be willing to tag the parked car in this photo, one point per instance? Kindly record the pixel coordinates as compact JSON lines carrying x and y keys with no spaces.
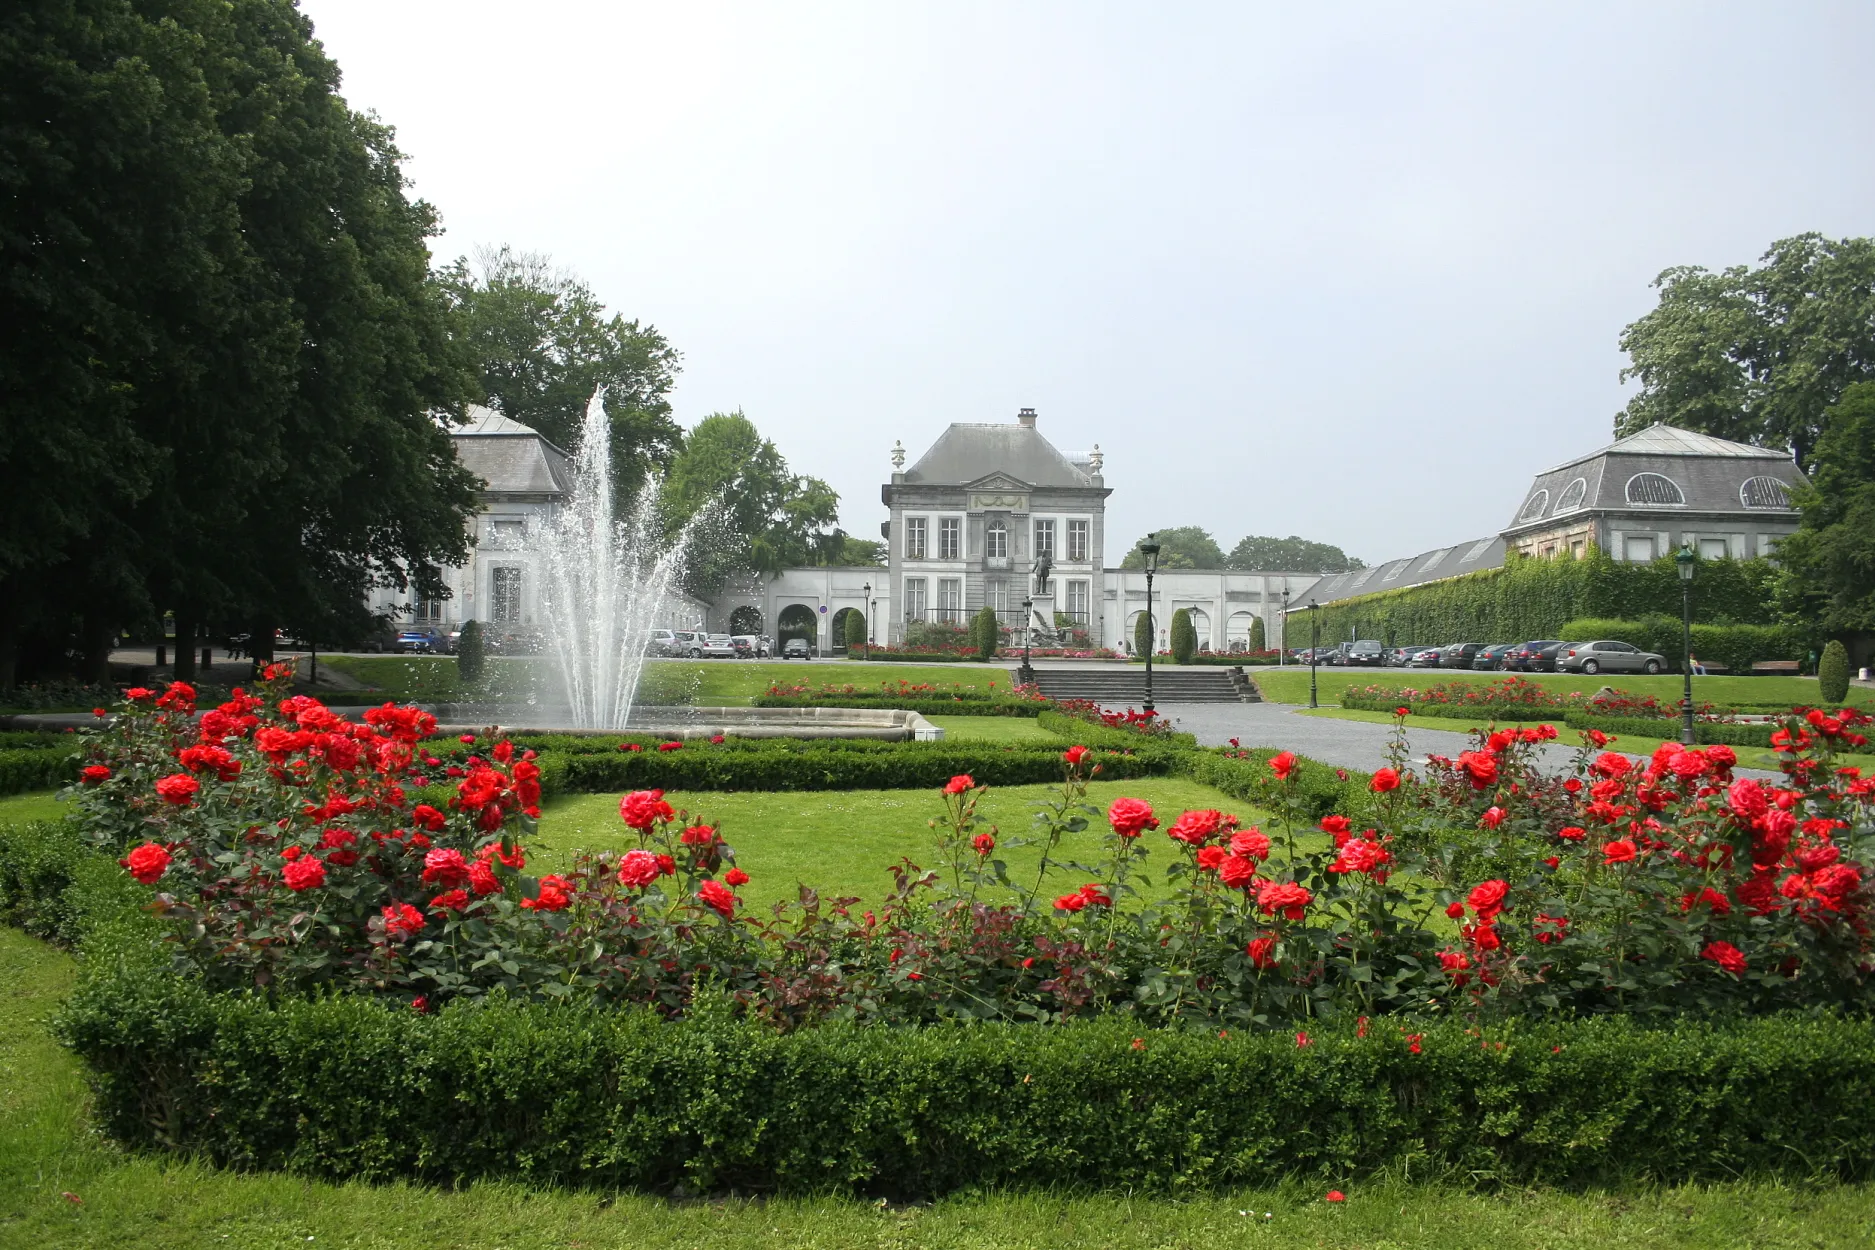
{"x":1402,"y":655}
{"x":1491,"y":659}
{"x":662,"y":642}
{"x":797,"y":649}
{"x":719,"y":647}
{"x":415,"y":641}
{"x":1459,"y":654}
{"x":1607,"y":656}
{"x":1428,"y":657}
{"x":1532,"y":657}
{"x":1367,"y":653}
{"x":687,"y":642}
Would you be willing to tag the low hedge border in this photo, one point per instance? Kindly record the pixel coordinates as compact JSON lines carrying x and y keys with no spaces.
{"x":1088,"y":734}
{"x":1705,"y":733}
{"x":1322,"y":788}
{"x":933,"y":705}
{"x":1477,"y":712}
{"x":37,"y":767}
{"x":343,"y":1087}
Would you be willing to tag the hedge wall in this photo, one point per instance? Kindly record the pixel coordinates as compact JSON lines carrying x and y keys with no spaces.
{"x":566,"y":1095}
{"x":927,"y":705}
{"x":37,"y":768}
{"x":1528,"y":599}
{"x":1737,"y":647}
{"x":1706,"y":733}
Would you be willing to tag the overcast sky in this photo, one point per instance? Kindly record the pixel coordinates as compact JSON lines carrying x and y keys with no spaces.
{"x":1354,"y":272}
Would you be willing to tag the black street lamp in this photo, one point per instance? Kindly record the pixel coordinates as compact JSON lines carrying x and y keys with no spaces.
{"x":866,"y":587}
{"x":1038,"y":575}
{"x":1282,"y":644}
{"x":1315,"y":646}
{"x":1150,"y":550}
{"x":1686,"y":561}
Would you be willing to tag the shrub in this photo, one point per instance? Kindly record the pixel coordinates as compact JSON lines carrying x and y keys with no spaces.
{"x":937,"y":636}
{"x":1184,"y":637}
{"x":1318,"y":789}
{"x":1143,"y":630}
{"x":1705,"y":732}
{"x":1832,"y":672}
{"x":1120,"y":730}
{"x":471,"y":653}
{"x":985,"y":632}
{"x":54,"y":885}
{"x":1256,"y":643}
{"x":855,"y":630}
{"x":37,"y":768}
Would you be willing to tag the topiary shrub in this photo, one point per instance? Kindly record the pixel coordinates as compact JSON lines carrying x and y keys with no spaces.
{"x":855,"y":630}
{"x":1256,"y":634}
{"x":1143,"y":634}
{"x":1184,"y":637}
{"x":985,"y":632}
{"x":1832,"y":673}
{"x":471,"y":653}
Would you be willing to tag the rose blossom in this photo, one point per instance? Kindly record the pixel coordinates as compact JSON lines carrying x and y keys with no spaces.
{"x":1129,"y":817}
{"x":148,"y":862}
{"x":305,"y":872}
{"x":638,"y":868}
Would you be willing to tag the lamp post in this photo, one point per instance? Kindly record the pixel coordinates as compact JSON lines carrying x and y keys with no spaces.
{"x":1282,"y":644}
{"x":1315,"y":646}
{"x":1038,"y":576}
{"x":866,"y":589}
{"x":1150,"y":550}
{"x":1685,"y":562}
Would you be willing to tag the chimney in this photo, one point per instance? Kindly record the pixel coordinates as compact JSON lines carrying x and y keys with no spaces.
{"x":1026,"y":418}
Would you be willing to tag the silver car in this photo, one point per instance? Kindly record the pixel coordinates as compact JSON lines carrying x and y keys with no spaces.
{"x":1607,"y":657}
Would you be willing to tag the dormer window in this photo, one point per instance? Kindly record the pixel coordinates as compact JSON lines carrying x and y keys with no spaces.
{"x":1764,"y":492}
{"x":1653,"y":490}
{"x":1534,"y":508}
{"x":1572,"y":496}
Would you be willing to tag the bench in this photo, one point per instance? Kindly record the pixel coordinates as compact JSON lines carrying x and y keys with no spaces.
{"x":1775,"y":666}
{"x":1715,"y":670}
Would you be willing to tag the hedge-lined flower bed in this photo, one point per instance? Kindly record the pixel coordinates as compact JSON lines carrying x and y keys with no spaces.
{"x":992,"y":698}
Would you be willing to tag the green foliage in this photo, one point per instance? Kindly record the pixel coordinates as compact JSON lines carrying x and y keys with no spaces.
{"x":1527,"y":598}
{"x":1737,"y":647}
{"x":1143,"y":631}
{"x":36,"y":768}
{"x":1756,"y":355}
{"x":855,"y":629}
{"x":1086,"y":733}
{"x":763,"y":516}
{"x":985,"y":632}
{"x":1705,"y":733}
{"x":1257,"y":642}
{"x":471,"y":653}
{"x":1184,"y":637}
{"x":1832,"y":672}
{"x":1268,"y":554}
{"x":1830,"y":561}
{"x":1320,"y":789}
{"x":56,"y":886}
{"x":542,"y":343}
{"x":856,"y":553}
{"x":1180,"y":547}
{"x":566,"y":1095}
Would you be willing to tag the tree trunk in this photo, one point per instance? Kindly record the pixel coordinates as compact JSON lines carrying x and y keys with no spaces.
{"x":9,"y":655}
{"x":95,"y":642}
{"x":186,"y":629}
{"x":260,"y":644}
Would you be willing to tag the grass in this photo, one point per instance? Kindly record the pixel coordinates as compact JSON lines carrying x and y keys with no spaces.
{"x":843,"y":842}
{"x":993,"y":729}
{"x":50,"y":1156}
{"x":36,"y":805}
{"x":1291,"y":685}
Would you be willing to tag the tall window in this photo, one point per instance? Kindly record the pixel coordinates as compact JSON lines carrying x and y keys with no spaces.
{"x":914,"y":598}
{"x":914,"y":537}
{"x":1044,"y":539}
{"x":996,"y":594}
{"x":1077,"y":540}
{"x":950,"y":537}
{"x":996,"y":541}
{"x":505,"y":594}
{"x":950,"y":607}
{"x":1077,"y":602}
{"x":429,"y":611}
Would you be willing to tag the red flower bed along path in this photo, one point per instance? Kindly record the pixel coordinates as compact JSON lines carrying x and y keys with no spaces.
{"x":289,"y":850}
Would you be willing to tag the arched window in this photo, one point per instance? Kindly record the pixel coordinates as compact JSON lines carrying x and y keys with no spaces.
{"x":1764,"y":492}
{"x":1572,"y":495}
{"x":996,"y":541}
{"x":1533,"y":509}
{"x":1651,"y":490}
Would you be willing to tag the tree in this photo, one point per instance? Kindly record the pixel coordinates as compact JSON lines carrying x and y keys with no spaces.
{"x":1257,"y":642}
{"x":1288,"y":555}
{"x":1829,"y":563}
{"x":1832,"y":672}
{"x":1756,"y":355}
{"x":855,"y":629}
{"x":985,"y":632}
{"x":1143,"y":634}
{"x":471,"y":653}
{"x":1184,"y":637}
{"x":542,"y":343}
{"x":854,"y":552}
{"x":1181,"y":547}
{"x":760,"y":515}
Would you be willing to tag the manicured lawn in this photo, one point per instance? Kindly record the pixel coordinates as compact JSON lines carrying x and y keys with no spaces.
{"x":38,"y":805}
{"x":61,"y":1186}
{"x":993,"y":729}
{"x":845,"y":841}
{"x":1291,"y":685}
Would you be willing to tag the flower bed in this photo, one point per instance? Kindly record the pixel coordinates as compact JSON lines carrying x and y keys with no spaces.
{"x":1519,"y":698}
{"x":990,"y":698}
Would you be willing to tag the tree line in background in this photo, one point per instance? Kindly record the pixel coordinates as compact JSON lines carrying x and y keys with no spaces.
{"x":227,"y":350}
{"x":1192,"y":547}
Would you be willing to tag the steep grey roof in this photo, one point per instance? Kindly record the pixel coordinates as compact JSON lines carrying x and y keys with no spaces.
{"x":1708,"y":474}
{"x":1427,"y":566}
{"x":966,"y":453}
{"x":510,"y":458}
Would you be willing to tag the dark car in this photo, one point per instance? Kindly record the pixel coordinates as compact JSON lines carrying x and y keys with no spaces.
{"x":1491,"y":658}
{"x":1459,"y":654}
{"x":1367,"y":653}
{"x":1532,"y":657}
{"x":1427,"y":657}
{"x":797,"y":649}
{"x":1401,"y":656}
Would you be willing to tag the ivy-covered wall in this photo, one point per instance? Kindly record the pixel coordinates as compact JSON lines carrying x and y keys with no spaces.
{"x":1531,"y":598}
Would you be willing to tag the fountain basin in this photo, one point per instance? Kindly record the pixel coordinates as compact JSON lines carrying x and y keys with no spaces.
{"x":879,"y":724}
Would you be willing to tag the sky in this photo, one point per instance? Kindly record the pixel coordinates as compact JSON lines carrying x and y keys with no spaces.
{"x":1354,"y":272}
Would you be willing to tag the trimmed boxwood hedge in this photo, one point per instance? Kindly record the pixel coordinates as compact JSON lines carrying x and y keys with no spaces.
{"x":1322,"y":788}
{"x":345,"y":1087}
{"x":37,"y":767}
{"x":1706,"y":733}
{"x":929,"y":705}
{"x":1087,"y":734}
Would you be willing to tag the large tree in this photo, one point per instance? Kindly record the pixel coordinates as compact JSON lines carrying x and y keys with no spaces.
{"x":542,"y":341}
{"x":1829,"y":563}
{"x":1756,"y":354}
{"x":1180,"y":547}
{"x":751,"y":512}
{"x":1288,"y":555}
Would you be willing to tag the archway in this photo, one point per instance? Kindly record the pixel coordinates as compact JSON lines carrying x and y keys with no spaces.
{"x":1201,"y":625}
{"x":797,"y":621}
{"x":746,"y":619}
{"x":1238,"y":627}
{"x":838,"y":632}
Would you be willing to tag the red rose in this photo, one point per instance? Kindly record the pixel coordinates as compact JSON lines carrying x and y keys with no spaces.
{"x":1455,"y":909}
{"x":638,"y":868}
{"x":667,"y":865}
{"x":1096,"y":895}
{"x":984,"y":843}
{"x":1480,"y":767}
{"x":1195,"y":827}
{"x":1262,"y":952}
{"x":178,"y":789}
{"x":1129,"y":816}
{"x":719,"y":899}
{"x":148,"y":862}
{"x":445,"y":866}
{"x":643,"y":808}
{"x":1285,"y":897}
{"x":1209,"y":857}
{"x":1620,"y":851}
{"x":401,"y":920}
{"x":482,"y":878}
{"x":1071,"y":902}
{"x":1572,"y":833}
{"x":670,"y":746}
{"x":1074,"y":755}
{"x":1727,"y":956}
{"x":1721,"y":757}
{"x":736,"y":877}
{"x":1237,"y":872}
{"x":503,"y":752}
{"x":1384,"y":780}
{"x":698,"y":835}
{"x":1335,"y":1195}
{"x":717,"y":740}
{"x":1335,"y":824}
{"x":1487,"y":899}
{"x":450,"y":900}
{"x":428,"y":817}
{"x":1251,"y":844}
{"x":1493,"y":817}
{"x":305,"y":872}
{"x":960,"y":783}
{"x":1282,"y":765}
{"x":554,"y":895}
{"x":95,"y":774}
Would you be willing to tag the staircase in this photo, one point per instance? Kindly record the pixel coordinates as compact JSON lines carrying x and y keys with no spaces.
{"x":1117,"y":686}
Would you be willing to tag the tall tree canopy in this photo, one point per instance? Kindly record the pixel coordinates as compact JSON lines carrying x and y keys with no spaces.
{"x":759,"y":516}
{"x":1289,"y":555}
{"x":1829,"y":563}
{"x":1756,"y":355}
{"x":1180,"y":547}
{"x":542,"y":342}
{"x":224,"y":343}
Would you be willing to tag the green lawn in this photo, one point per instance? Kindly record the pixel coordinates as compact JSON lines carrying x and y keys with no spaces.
{"x":61,"y":1186}
{"x":993,"y":729}
{"x":844,"y":841}
{"x":38,"y":805}
{"x":1291,"y":685}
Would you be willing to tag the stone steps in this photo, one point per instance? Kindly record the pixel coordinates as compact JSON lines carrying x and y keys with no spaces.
{"x":1118,"y":687}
